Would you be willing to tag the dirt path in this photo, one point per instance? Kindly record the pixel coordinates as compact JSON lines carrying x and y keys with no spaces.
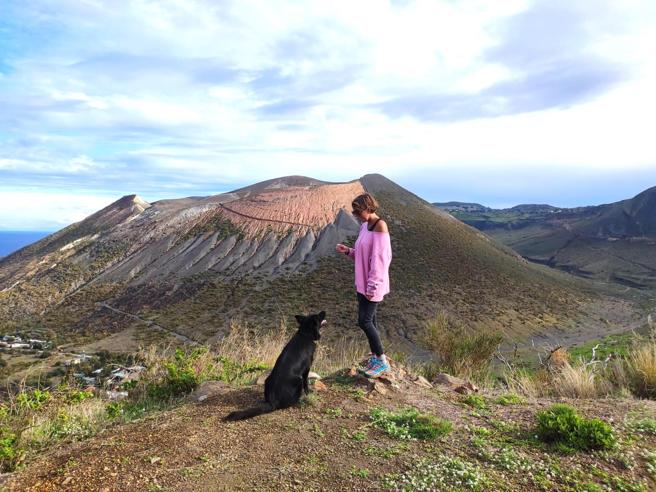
{"x":150,"y":324}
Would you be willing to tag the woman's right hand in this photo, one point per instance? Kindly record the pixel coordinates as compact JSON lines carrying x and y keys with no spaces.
{"x":340,"y":248}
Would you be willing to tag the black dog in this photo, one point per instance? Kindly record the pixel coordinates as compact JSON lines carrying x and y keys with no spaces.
{"x":289,"y":378}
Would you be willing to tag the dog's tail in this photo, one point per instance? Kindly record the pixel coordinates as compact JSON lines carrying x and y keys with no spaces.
{"x":249,"y":412}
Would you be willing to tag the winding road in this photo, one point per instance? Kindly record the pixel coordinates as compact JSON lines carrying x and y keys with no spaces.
{"x":150,"y":324}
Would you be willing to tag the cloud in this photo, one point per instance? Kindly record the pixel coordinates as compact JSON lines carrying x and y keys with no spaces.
{"x":188,"y":97}
{"x":546,"y":52}
{"x":51,"y":211}
{"x":572,"y":82}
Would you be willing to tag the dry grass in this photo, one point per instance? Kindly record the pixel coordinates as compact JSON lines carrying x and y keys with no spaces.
{"x":522,"y":383}
{"x":634,"y":374}
{"x":460,"y":352}
{"x":246,"y":345}
{"x":66,"y":422}
{"x":245,"y":351}
{"x":641,"y":368}
{"x":343,"y":353}
{"x":575,"y":381}
{"x":33,"y":419}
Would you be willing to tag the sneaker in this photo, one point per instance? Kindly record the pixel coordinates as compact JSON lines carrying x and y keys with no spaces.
{"x":370,"y":361}
{"x":378,"y":367}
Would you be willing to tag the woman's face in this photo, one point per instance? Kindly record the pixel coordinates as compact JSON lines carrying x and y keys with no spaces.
{"x":361,"y":215}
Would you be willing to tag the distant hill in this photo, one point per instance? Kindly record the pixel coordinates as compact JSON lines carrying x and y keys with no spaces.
{"x":615,"y":242}
{"x":462,"y":207}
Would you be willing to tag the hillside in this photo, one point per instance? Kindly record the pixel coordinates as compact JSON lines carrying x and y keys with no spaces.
{"x":138,"y":272}
{"x":331,"y":442}
{"x":613,"y":243}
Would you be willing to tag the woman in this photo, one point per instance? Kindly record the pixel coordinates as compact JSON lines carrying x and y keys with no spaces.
{"x":372,"y":255}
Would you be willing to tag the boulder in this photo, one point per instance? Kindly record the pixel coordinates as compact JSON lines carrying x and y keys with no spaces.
{"x":379,"y":387}
{"x":422,"y":381}
{"x":456,"y":384}
{"x":319,"y":386}
{"x":260,"y":380}
{"x":208,"y":389}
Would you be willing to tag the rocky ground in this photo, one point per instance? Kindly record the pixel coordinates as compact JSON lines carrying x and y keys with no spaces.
{"x":328,"y":442}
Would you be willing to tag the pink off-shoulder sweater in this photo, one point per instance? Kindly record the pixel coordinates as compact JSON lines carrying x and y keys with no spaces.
{"x":372,"y":254}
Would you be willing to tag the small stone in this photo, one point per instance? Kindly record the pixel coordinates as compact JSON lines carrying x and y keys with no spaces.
{"x":422,"y":381}
{"x":262,"y":379}
{"x":387,"y":378}
{"x":313,"y":375}
{"x":380,"y":388}
{"x":456,"y":384}
{"x":210,"y":388}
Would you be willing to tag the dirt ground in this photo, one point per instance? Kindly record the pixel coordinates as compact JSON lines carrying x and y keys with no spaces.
{"x":326,"y":443}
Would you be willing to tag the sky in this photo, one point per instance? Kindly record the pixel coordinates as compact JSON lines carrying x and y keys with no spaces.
{"x":500,"y":103}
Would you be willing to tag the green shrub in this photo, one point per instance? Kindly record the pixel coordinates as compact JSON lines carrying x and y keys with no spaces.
{"x":561,"y":425}
{"x":10,"y":455}
{"x":128,"y":410}
{"x":114,"y":409}
{"x":475,"y":401}
{"x":180,"y":375}
{"x":409,"y":423}
{"x":78,"y":396}
{"x":232,"y":371}
{"x":32,"y":400}
{"x":510,"y":399}
{"x":128,"y":385}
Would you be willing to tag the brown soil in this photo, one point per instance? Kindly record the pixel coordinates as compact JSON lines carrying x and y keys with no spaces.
{"x":308,"y":447}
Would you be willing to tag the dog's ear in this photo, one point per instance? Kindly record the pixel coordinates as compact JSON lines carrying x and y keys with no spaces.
{"x":300,"y":319}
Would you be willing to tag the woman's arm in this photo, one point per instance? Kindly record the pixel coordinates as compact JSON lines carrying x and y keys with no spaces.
{"x":379,"y":262}
{"x":350,"y":252}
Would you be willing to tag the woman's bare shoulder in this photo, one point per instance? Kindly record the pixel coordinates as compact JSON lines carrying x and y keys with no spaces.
{"x":381,"y":226}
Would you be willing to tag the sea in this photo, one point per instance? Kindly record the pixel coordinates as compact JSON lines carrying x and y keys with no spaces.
{"x":11,"y":241}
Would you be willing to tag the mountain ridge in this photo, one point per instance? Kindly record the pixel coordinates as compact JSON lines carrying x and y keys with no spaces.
{"x":612,"y":242}
{"x":195,"y":264}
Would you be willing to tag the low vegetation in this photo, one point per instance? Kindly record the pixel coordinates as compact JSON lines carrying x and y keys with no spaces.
{"x":32,"y":418}
{"x":615,"y":375}
{"x":562,"y":425}
{"x":459,"y":352}
{"x":409,"y":423}
{"x":498,"y":439}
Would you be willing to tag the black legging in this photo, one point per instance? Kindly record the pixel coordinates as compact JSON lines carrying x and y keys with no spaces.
{"x":367,"y":321}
